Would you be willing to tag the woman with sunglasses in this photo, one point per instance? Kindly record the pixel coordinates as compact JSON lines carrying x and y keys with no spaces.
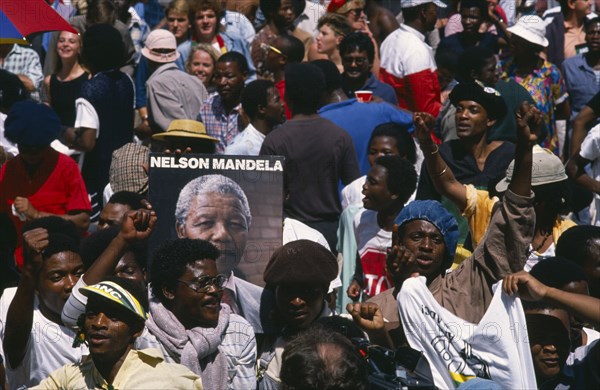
{"x":355,"y":13}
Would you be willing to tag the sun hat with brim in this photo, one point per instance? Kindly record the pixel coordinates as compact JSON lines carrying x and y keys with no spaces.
{"x":532,"y":29}
{"x":161,"y":46}
{"x":117,"y":295}
{"x":414,"y":3}
{"x":546,"y":168}
{"x":185,"y":128}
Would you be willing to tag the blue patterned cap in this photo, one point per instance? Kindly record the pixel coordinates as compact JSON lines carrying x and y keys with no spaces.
{"x":432,"y":211}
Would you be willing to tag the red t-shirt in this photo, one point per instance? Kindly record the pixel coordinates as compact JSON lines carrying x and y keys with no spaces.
{"x":57,"y":188}
{"x":280,"y":85}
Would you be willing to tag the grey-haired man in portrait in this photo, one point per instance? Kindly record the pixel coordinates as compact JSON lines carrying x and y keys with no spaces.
{"x":215,"y":208}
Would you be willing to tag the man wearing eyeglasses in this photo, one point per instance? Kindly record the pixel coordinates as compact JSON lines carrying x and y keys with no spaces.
{"x":358,"y":53}
{"x":191,"y":322}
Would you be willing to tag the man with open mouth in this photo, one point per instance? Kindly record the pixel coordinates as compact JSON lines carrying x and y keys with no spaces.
{"x":114,"y":317}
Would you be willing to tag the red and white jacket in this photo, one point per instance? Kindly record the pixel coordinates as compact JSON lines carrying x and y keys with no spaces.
{"x":408,"y":65}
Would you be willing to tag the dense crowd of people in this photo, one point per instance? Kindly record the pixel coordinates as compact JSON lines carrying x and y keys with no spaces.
{"x":441,"y":177}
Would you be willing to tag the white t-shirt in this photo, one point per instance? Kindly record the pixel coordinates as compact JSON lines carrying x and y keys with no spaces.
{"x":590,"y":150}
{"x":86,"y":115}
{"x":49,"y":347}
{"x":8,"y":146}
{"x":352,"y":193}
{"x":372,"y":243}
{"x":581,"y":352}
{"x":536,"y":257}
{"x":246,"y":143}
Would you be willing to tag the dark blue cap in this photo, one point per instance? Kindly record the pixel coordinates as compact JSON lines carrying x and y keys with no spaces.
{"x":31,"y":124}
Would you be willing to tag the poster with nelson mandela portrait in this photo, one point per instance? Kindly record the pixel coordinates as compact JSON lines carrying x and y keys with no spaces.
{"x":235,"y":202}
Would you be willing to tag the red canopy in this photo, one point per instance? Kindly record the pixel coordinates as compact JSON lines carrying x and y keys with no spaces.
{"x":31,"y":16}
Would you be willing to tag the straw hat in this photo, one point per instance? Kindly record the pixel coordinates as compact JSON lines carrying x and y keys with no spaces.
{"x":185,"y":128}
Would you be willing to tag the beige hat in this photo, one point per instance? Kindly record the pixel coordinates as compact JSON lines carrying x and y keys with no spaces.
{"x":161,"y":46}
{"x":532,"y":29}
{"x":546,"y":168}
{"x":185,"y":128}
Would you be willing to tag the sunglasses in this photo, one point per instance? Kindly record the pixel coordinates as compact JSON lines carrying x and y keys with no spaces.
{"x":357,"y":12}
{"x":203,"y":284}
{"x":266,"y":47}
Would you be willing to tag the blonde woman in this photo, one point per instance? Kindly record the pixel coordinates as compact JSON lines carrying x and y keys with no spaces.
{"x":64,"y":85}
{"x":201,"y":63}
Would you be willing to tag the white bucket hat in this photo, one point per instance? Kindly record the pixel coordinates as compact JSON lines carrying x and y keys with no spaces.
{"x":532,"y":29}
{"x":414,"y":3}
{"x":161,"y":46}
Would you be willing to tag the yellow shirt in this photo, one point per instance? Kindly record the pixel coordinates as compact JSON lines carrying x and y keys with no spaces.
{"x":479,"y":211}
{"x":143,"y":369}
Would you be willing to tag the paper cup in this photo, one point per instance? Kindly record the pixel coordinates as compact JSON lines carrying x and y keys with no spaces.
{"x":363,"y":96}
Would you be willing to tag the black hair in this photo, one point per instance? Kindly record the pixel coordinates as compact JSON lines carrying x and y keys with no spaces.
{"x":402,"y":176}
{"x":472,"y":60}
{"x":564,"y":6}
{"x":103,"y":48}
{"x":447,"y":59}
{"x":333,"y":78}
{"x":577,"y":243}
{"x":255,"y":94}
{"x":171,"y":259}
{"x":127,"y":198}
{"x":305,"y":87}
{"x":62,"y":234}
{"x":557,"y":272}
{"x":101,"y":12}
{"x":590,"y":22}
{"x":358,"y":41}
{"x":404,"y":142}
{"x":479,"y":4}
{"x":291,"y":47}
{"x":270,"y":7}
{"x":413,"y":13}
{"x":321,"y":359}
{"x":556,"y":197}
{"x":238,"y":58}
{"x":12,"y":90}
{"x":92,"y":247}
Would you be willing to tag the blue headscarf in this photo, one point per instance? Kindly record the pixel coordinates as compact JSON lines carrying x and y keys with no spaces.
{"x":432,"y":211}
{"x":31,"y":124}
